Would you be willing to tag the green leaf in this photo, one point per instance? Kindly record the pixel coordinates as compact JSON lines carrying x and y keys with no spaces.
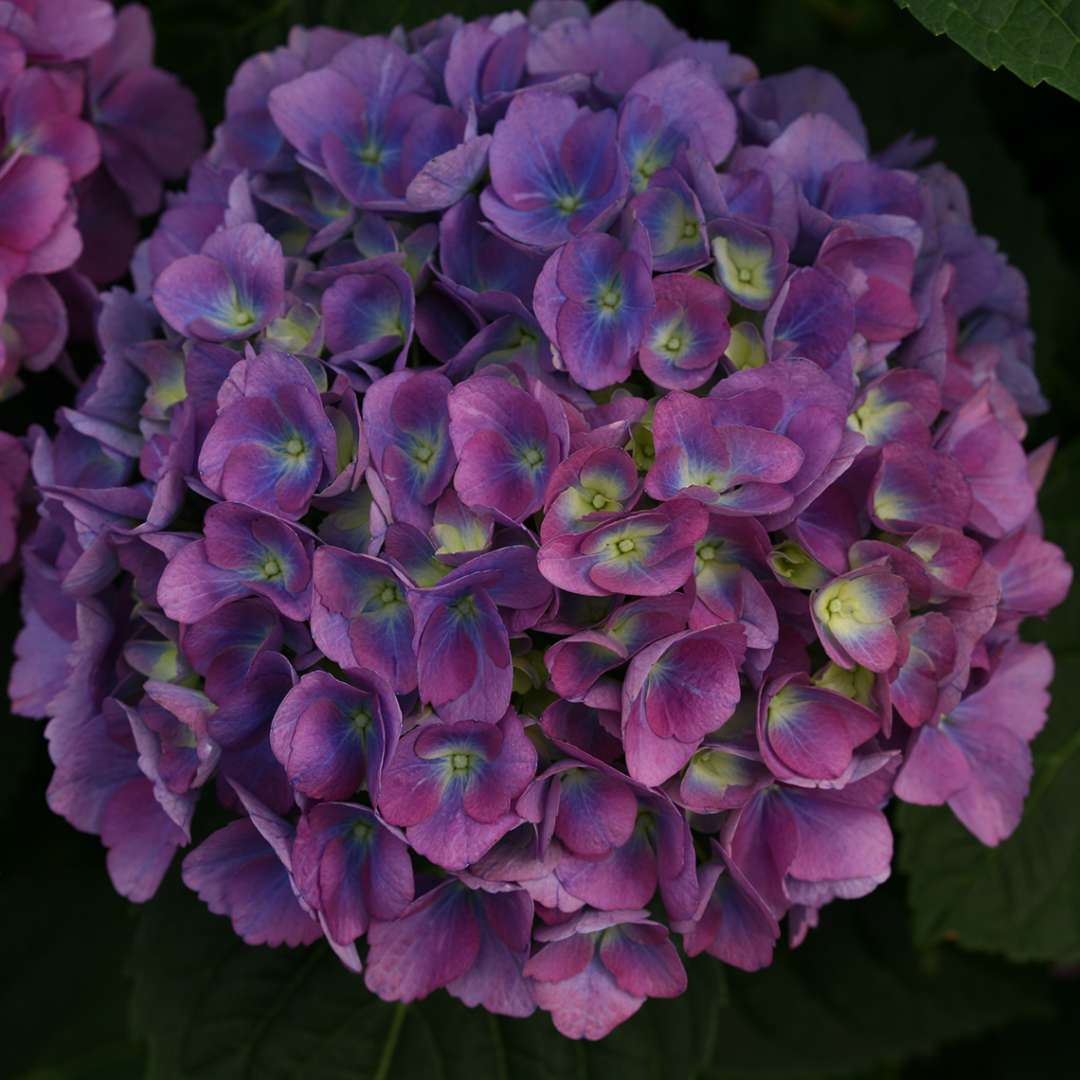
{"x":64,"y":996}
{"x":1039,"y":40}
{"x":1022,"y":898}
{"x":832,"y":1007}
{"x":854,"y":997}
{"x":110,"y":1061}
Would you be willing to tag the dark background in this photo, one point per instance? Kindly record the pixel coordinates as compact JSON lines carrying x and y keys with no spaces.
{"x":95,"y":987}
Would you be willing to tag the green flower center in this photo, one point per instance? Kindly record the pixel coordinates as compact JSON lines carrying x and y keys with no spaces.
{"x":840,"y":607}
{"x":460,"y":761}
{"x":271,"y":568}
{"x":371,"y":154}
{"x":609,"y":299}
{"x":599,"y":501}
{"x":625,"y":546}
{"x":465,"y":606}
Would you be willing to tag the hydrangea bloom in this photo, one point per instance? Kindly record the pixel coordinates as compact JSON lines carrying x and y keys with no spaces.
{"x":552,"y":487}
{"x":91,"y":130}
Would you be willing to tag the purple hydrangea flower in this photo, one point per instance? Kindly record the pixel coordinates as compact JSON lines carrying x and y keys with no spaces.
{"x":809,"y":733}
{"x":686,"y":334}
{"x":751,"y":260}
{"x":351,"y":868}
{"x":237,"y":872}
{"x":647,"y":553}
{"x":353,"y":120}
{"x":673,"y":110}
{"x":368,"y":315}
{"x":590,"y":486}
{"x":473,"y":942}
{"x":593,"y":299}
{"x":853,"y":616}
{"x":332,"y":737}
{"x":597,"y":970}
{"x":427,"y":517}
{"x":272,"y":442}
{"x":735,"y":925}
{"x":245,"y":553}
{"x":674,"y":221}
{"x":461,"y":638}
{"x":798,"y":844}
{"x":408,"y":423}
{"x":360,"y":617}
{"x":232,"y":289}
{"x":508,"y":443}
{"x":734,"y":468}
{"x":556,"y":171}
{"x":676,"y":691}
{"x":453,"y":785}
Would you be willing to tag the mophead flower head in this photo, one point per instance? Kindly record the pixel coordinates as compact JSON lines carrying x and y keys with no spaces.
{"x":552,"y":488}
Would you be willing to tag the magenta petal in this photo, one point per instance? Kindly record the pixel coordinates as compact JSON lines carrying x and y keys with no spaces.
{"x":190,"y":588}
{"x":837,"y":840}
{"x":237,"y":873}
{"x":359,"y":616}
{"x":411,"y":789}
{"x":676,"y":691}
{"x":588,"y":1005}
{"x":626,"y":876}
{"x":463,"y":655}
{"x":452,"y":839}
{"x":496,"y":980}
{"x":596,"y":812}
{"x":934,"y":769}
{"x":434,"y":941}
{"x":916,"y":487}
{"x":811,"y":732}
{"x":650,"y":758}
{"x":141,"y":839}
{"x":735,"y":926}
{"x":642,"y":960}
{"x":1001,"y":768}
{"x":561,"y":960}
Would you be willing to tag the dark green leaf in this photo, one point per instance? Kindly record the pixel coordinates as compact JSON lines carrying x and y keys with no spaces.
{"x":1039,"y":40}
{"x":65,"y":993}
{"x":857,"y":996}
{"x":210,"y":1006}
{"x":110,"y":1061}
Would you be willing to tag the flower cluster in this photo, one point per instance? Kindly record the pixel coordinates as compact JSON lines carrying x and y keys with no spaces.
{"x":89,"y":131}
{"x":552,"y":487}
